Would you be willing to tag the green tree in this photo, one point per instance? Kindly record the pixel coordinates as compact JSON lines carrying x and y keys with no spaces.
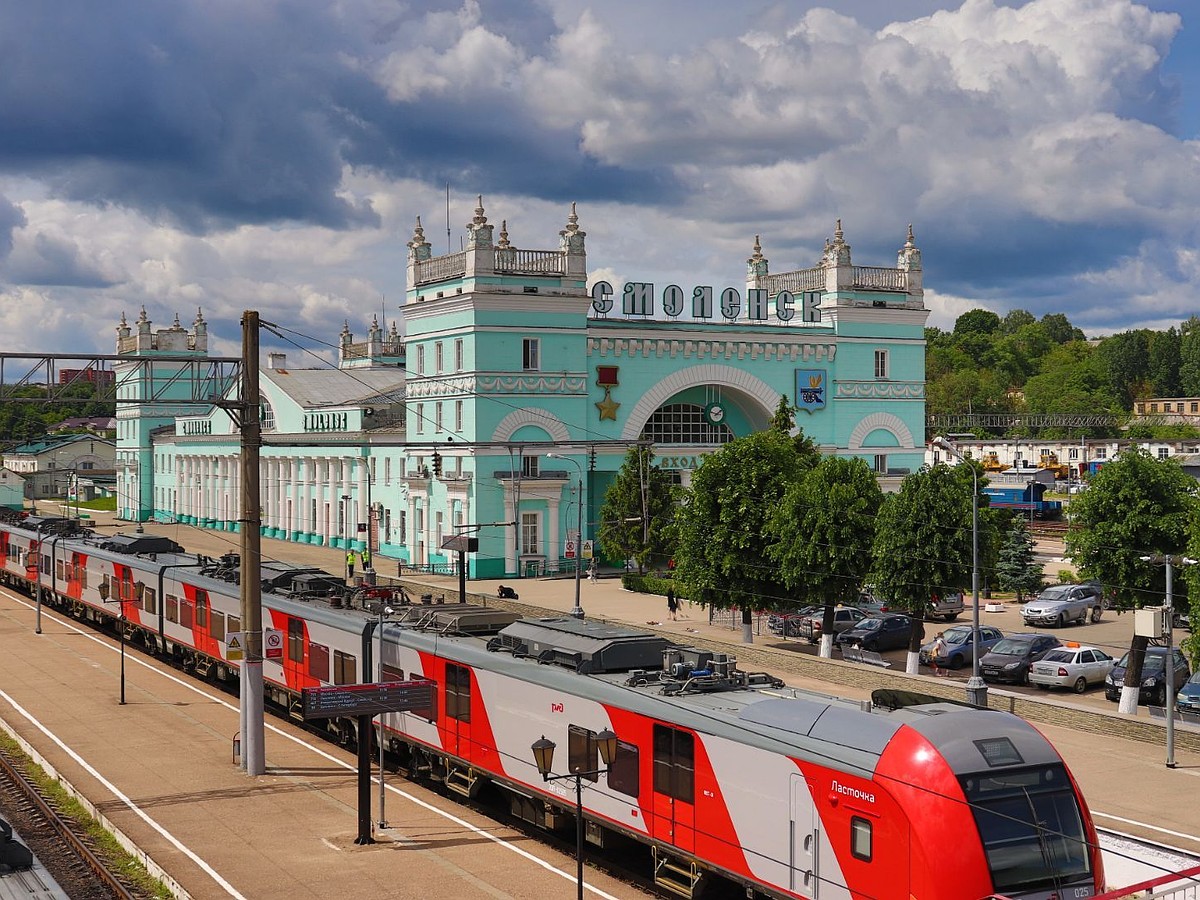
{"x":977,"y":321}
{"x":1189,"y":358}
{"x":1015,"y":319}
{"x":822,"y":534}
{"x":1163,"y":367}
{"x":1017,"y":569}
{"x":1060,"y":329}
{"x":638,"y":511}
{"x":1125,"y":360}
{"x":722,"y":537}
{"x":1134,"y":507}
{"x":923,"y":542}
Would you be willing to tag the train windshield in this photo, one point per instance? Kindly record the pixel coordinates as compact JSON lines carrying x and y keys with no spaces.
{"x":1031,"y":827}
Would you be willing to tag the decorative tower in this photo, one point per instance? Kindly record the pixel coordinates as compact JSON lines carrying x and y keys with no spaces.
{"x":909,"y":260}
{"x":141,"y":378}
{"x":839,"y":273}
{"x":570,"y":241}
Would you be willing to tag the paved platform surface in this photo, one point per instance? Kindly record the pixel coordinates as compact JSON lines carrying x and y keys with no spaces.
{"x":290,"y":833}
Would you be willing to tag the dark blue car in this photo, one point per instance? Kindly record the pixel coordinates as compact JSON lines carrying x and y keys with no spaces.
{"x":889,"y":632}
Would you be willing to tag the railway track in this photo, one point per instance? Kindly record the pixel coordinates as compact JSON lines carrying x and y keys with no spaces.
{"x":67,"y":853}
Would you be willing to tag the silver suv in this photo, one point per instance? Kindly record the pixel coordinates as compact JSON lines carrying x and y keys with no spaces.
{"x":1063,"y":603}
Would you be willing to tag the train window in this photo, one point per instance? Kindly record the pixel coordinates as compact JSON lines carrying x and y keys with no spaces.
{"x":218,"y":624}
{"x":150,"y":600}
{"x":187,"y":613}
{"x":428,"y":713}
{"x":201,"y":609}
{"x":83,"y":576}
{"x":345,"y":668}
{"x":295,"y":640}
{"x":674,"y":763}
{"x":623,"y":773}
{"x":318,"y":661}
{"x":458,"y":692}
{"x":860,"y":838}
{"x":391,"y":673}
{"x":60,"y":569}
{"x":583,"y":754}
{"x":172,"y":607}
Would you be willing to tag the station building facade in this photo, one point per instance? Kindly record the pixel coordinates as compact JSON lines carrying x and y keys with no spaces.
{"x":520,"y":385}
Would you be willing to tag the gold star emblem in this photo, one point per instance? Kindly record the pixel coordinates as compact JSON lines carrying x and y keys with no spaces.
{"x":608,"y":407}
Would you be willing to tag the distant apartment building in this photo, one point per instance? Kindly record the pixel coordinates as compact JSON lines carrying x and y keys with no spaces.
{"x":50,"y":465}
{"x":103,"y":377}
{"x":1169,"y":410}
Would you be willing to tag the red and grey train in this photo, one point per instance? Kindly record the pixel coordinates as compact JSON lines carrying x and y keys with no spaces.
{"x":726,"y":776}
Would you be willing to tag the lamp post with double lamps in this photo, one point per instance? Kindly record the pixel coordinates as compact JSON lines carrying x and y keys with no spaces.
{"x":577,"y":612}
{"x":543,"y":755}
{"x":976,"y":686}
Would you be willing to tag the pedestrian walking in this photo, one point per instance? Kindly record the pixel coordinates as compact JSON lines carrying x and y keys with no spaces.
{"x":936,"y":652}
{"x":365,"y":556}
{"x":349,"y":565}
{"x":592,"y":571}
{"x":672,"y":604}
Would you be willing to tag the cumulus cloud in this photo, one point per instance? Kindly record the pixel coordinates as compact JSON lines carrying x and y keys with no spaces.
{"x":235,"y":155}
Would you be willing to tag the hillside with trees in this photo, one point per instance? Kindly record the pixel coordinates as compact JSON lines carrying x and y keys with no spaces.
{"x":1020,"y":364}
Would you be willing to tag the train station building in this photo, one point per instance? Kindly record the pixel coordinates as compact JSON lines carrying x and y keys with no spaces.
{"x":519,"y":382}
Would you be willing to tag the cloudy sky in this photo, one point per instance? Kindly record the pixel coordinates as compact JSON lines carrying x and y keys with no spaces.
{"x":273,"y":155}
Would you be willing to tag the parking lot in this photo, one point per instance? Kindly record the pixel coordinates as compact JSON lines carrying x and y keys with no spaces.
{"x":1112,"y":634}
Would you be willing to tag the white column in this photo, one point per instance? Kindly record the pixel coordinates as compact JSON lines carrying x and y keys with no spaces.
{"x":510,"y":534}
{"x":552,"y":544}
{"x":307,"y":525}
{"x":363,"y":467}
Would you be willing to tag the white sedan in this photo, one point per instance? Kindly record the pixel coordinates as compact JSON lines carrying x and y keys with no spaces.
{"x":1074,"y":667}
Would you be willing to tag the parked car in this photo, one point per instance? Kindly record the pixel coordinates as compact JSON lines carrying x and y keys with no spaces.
{"x":1011,"y":658}
{"x":870,"y":605}
{"x":1071,"y":666}
{"x":887,"y":632}
{"x":1153,"y":690}
{"x":947,"y":604}
{"x":1063,"y":603}
{"x":1188,"y":698}
{"x":958,"y":646}
{"x":844,"y":618}
{"x":788,"y":624}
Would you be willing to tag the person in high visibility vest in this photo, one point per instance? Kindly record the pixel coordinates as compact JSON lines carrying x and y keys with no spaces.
{"x":349,"y":564}
{"x":366,"y":558}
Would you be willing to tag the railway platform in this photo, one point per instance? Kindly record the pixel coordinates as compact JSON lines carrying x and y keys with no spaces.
{"x":290,"y":833}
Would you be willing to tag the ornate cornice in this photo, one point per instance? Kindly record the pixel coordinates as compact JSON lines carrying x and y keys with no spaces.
{"x":879,"y":390}
{"x":711,"y":349}
{"x":495,"y":383}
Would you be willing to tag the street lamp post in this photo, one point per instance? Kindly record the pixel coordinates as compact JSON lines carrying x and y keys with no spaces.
{"x":577,"y":612}
{"x":543,"y":755}
{"x":345,"y":516}
{"x":1168,"y":660}
{"x":976,"y":686}
{"x":384,"y":610}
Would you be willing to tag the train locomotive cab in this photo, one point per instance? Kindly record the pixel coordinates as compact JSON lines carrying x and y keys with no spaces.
{"x":994,"y":777}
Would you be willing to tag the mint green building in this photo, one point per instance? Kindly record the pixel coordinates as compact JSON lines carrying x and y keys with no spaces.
{"x":518,"y":381}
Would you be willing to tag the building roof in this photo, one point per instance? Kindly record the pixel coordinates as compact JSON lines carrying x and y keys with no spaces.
{"x":105,"y":423}
{"x":314,"y":388}
{"x":52,"y":442}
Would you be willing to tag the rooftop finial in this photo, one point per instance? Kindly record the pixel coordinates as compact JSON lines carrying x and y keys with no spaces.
{"x":503,"y":234}
{"x":123,"y":322}
{"x":837,"y":232}
{"x":176,"y":325}
{"x":757,"y":250}
{"x":199,"y":316}
{"x":909,"y":242}
{"x":480,"y":218}
{"x":142,"y":317}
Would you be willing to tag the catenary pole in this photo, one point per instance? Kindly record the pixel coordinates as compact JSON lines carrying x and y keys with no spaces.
{"x":253,"y":732}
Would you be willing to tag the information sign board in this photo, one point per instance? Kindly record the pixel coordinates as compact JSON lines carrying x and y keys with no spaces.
{"x":588,"y":550}
{"x":366,"y":699}
{"x":236,"y":647}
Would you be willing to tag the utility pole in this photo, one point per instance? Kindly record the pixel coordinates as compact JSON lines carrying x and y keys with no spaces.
{"x":251,"y":696}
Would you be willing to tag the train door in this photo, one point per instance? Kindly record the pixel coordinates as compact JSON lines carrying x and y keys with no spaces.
{"x":806,"y":840}
{"x":674,"y":807}
{"x":458,"y":710}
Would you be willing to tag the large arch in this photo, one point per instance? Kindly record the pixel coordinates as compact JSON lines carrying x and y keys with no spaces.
{"x":745,"y":384}
{"x":519,"y":418}
{"x":885,"y":421}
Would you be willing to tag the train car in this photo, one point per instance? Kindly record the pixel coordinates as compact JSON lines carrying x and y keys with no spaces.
{"x":1026,"y":498}
{"x":728,"y":777}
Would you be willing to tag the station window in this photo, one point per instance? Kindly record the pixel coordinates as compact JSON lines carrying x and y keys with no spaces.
{"x":438,"y":357}
{"x":583,"y":753}
{"x":530,"y":355}
{"x":318,"y":661}
{"x":1163,"y":452}
{"x":421,"y":360}
{"x":530,"y":466}
{"x":531,"y":543}
{"x":458,"y":692}
{"x":437,"y":417}
{"x":458,"y":354}
{"x":674,"y":763}
{"x":881,"y":364}
{"x":345,"y":668}
{"x":295,"y":640}
{"x":880,"y":463}
{"x":860,"y":838}
{"x":458,"y":415}
{"x":684,"y":423}
{"x":623,"y":773}
{"x":420,"y":417}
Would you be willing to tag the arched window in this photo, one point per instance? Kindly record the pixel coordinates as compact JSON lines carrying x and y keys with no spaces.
{"x":266,"y":416}
{"x":684,"y":423}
